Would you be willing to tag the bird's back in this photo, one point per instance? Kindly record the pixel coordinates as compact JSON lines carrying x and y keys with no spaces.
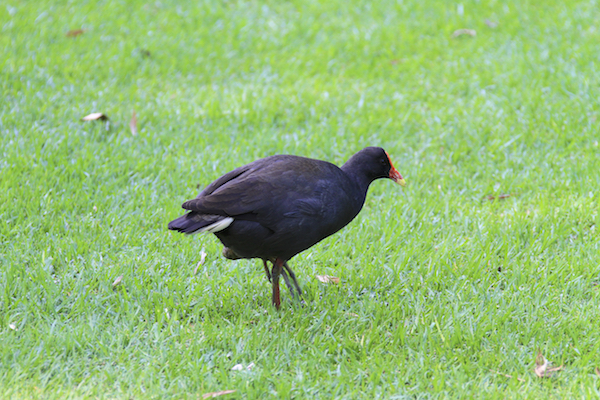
{"x":281,"y":205}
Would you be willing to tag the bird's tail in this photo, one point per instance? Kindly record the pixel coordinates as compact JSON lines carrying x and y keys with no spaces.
{"x":193,"y":222}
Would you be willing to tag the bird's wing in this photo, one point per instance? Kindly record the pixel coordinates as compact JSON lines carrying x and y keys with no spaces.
{"x":305,"y":207}
{"x":222,"y":181}
{"x":267,"y":190}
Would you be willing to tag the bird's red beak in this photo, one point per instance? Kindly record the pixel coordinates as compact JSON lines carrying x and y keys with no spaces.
{"x":394,"y":174}
{"x":396,"y":177}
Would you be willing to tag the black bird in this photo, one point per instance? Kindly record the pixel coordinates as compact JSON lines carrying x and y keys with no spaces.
{"x":279,"y":206}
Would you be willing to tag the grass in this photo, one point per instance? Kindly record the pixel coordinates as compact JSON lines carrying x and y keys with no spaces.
{"x":443,"y":294}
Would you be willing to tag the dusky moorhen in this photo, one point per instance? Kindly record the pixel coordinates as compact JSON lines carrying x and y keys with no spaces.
{"x":279,"y":206}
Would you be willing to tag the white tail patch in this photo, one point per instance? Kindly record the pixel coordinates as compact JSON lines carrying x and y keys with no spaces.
{"x":217,"y":226}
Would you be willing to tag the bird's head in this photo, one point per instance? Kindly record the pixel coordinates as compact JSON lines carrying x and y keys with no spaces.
{"x":374,"y":163}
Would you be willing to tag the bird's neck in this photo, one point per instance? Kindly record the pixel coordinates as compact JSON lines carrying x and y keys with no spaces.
{"x":360,"y":180}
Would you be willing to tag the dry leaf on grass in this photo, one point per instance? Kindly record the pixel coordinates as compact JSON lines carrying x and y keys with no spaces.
{"x":13,"y":327}
{"x":202,"y":258}
{"x":499,"y":197}
{"x":542,"y":367}
{"x":491,"y":24}
{"x":464,"y":32}
{"x":597,"y":371}
{"x":95,"y":117}
{"x":117,"y":281}
{"x":133,"y":124}
{"x":507,"y":376}
{"x":240,"y":367}
{"x":541,"y":364}
{"x":328,"y":279}
{"x":75,"y":32}
{"x":217,"y":394}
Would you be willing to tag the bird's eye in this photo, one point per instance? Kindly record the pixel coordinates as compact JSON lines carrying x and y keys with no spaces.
{"x":383,"y":161}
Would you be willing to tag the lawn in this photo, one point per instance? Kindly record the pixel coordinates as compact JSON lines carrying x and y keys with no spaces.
{"x":450,"y":288}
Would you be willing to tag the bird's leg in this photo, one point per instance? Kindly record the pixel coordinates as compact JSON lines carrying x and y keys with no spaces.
{"x":275,"y":281}
{"x":293,"y":276}
{"x":267,"y":270}
{"x":283,"y":272}
{"x":287,"y":282}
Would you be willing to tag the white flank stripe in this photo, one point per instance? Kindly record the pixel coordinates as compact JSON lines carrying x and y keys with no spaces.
{"x":218,"y":226}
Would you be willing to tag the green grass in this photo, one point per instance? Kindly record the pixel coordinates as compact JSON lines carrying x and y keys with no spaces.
{"x":442,"y":292}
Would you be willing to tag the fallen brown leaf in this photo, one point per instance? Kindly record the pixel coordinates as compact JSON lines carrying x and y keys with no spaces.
{"x":240,"y":367}
{"x":462,"y":32}
{"x":507,"y":376}
{"x":133,"y":124}
{"x":553,"y":370}
{"x":351,"y":314}
{"x":499,"y":197}
{"x":328,"y":279}
{"x":95,"y":117}
{"x":491,"y":24}
{"x":597,"y":371}
{"x":75,"y":32}
{"x":117,"y":281}
{"x":202,"y":258}
{"x":541,"y":364}
{"x":542,"y":369}
{"x":217,"y":394}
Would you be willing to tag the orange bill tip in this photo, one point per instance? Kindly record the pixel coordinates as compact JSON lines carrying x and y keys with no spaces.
{"x":396,"y":177}
{"x":394,"y":174}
